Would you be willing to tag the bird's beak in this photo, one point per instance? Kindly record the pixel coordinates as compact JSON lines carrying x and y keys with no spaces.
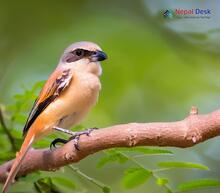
{"x":98,"y":56}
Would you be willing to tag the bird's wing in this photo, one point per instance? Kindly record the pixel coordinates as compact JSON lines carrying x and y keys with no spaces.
{"x":54,"y":86}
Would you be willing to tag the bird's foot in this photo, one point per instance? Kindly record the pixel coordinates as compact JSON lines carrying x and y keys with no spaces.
{"x":77,"y":135}
{"x":57,"y":140}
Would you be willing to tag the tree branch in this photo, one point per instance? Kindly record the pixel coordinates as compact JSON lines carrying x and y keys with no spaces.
{"x":7,"y":132}
{"x":186,"y":133}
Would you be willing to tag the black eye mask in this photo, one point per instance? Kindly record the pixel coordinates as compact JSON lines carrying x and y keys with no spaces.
{"x":77,"y":55}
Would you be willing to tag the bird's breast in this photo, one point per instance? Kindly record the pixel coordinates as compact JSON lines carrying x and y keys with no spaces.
{"x":77,"y":99}
{"x":85,"y":87}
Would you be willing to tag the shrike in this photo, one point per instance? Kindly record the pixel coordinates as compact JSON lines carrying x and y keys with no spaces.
{"x":67,"y":96}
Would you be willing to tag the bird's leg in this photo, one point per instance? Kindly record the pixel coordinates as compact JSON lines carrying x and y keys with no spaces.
{"x":64,"y":130}
{"x":59,"y":140}
{"x":74,"y":136}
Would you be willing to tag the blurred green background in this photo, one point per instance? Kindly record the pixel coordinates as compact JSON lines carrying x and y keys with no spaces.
{"x":157,"y":69}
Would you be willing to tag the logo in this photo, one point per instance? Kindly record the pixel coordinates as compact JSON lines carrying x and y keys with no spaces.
{"x":168,"y":13}
{"x":187,"y":13}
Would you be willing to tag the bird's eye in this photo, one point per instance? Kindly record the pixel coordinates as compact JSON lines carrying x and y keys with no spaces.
{"x":94,"y":53}
{"x":79,"y":52}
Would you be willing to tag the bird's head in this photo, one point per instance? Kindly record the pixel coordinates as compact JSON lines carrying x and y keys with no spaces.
{"x":83,"y":56}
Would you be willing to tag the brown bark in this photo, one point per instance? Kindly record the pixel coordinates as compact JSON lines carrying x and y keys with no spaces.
{"x":186,"y":133}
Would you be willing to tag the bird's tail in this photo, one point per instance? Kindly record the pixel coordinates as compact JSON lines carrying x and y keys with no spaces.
{"x":29,"y":139}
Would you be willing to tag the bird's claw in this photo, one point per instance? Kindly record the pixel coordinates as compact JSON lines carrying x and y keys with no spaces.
{"x":57,"y":140}
{"x":77,"y":135}
{"x":74,"y":137}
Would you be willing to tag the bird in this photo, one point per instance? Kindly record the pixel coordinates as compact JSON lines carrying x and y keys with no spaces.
{"x":65,"y":99}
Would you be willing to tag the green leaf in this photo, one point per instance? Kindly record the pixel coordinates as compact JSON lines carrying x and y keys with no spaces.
{"x":188,"y":165}
{"x":19,"y":118}
{"x":64,"y":182}
{"x":112,"y":156}
{"x":135,"y":176}
{"x":38,"y":85}
{"x":200,"y":183}
{"x":6,"y":155}
{"x":149,"y":151}
{"x":45,"y":185}
{"x":162,"y":181}
{"x":106,"y":189}
{"x":33,"y":177}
